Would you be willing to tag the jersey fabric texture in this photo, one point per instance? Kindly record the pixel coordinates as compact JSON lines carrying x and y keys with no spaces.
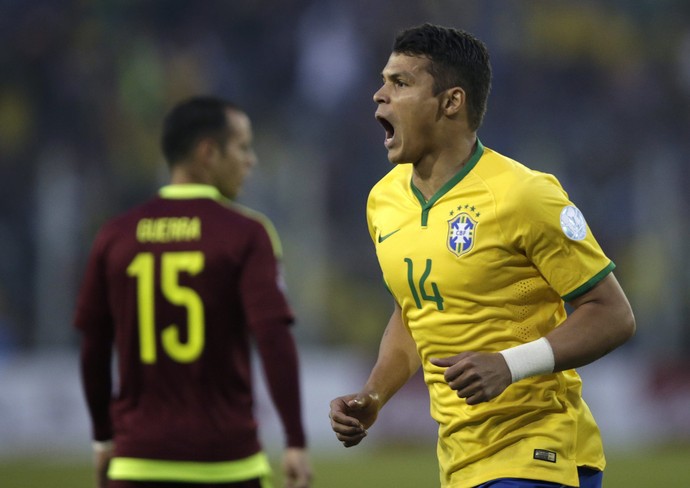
{"x":180,"y":284}
{"x":486,"y":264}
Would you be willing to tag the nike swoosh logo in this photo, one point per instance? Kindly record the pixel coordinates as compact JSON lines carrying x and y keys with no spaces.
{"x":383,"y":238}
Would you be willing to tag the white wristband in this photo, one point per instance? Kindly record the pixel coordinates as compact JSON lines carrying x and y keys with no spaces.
{"x":529,"y":359}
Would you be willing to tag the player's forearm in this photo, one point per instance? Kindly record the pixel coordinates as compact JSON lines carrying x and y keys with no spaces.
{"x":97,"y":384}
{"x":388,"y":376}
{"x":279,"y":357}
{"x":397,"y":361}
{"x":601,"y":321}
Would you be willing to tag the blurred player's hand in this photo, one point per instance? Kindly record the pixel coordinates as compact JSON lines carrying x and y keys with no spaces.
{"x":102,"y":454}
{"x":476,"y":377}
{"x":351,"y":416}
{"x":297,"y":471}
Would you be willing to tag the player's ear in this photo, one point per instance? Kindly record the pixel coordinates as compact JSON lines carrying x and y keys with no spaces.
{"x":454,"y":99}
{"x":205,"y":150}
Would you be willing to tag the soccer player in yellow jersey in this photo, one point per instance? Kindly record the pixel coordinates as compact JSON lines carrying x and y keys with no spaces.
{"x":481,"y":254}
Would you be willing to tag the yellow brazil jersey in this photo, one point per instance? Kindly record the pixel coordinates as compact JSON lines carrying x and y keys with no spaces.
{"x":484,"y":265}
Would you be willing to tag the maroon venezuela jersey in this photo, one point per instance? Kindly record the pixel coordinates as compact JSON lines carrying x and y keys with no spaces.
{"x":180,"y":284}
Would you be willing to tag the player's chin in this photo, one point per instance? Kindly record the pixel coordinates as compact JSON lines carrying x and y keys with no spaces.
{"x":395,"y":157}
{"x":397,"y":154}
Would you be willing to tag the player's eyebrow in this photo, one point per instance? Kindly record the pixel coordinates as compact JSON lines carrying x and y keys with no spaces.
{"x":397,"y":75}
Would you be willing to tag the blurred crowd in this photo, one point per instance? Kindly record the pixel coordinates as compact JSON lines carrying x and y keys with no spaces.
{"x":597,"y":93}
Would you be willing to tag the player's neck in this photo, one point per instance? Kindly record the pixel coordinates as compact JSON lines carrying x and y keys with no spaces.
{"x":435,"y":170}
{"x":187,"y":174}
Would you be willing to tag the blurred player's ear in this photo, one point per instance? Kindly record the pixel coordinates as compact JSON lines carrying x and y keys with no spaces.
{"x":205,"y":149}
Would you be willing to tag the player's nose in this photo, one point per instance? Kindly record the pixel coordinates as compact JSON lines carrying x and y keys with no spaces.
{"x":380,"y":95}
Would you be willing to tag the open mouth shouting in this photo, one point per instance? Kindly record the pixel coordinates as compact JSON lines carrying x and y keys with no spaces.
{"x":390,"y":130}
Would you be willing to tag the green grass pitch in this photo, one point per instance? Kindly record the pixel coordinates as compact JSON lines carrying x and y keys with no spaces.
{"x":383,"y":467}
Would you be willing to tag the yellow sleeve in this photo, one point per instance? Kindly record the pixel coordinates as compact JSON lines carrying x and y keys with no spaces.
{"x":553,"y":233}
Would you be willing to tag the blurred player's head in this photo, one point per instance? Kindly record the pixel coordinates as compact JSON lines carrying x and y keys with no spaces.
{"x":457,"y":59}
{"x":209,"y":140}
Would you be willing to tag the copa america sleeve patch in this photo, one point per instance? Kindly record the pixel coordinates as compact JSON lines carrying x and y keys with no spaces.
{"x":573,"y":223}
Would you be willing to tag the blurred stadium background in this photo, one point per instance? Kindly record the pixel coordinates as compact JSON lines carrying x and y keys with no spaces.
{"x":596,"y":92}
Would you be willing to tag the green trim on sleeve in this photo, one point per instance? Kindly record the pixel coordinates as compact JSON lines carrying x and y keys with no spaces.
{"x":136,"y":469}
{"x":591,"y":283}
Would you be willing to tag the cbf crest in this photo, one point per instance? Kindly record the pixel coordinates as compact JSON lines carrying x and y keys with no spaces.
{"x":461,"y":234}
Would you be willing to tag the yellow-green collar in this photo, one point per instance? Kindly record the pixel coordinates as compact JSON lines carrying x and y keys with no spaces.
{"x":191,"y":190}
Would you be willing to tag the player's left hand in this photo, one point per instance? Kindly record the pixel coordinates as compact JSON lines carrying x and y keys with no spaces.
{"x":475,"y":376}
{"x":297,"y":470}
{"x":103,"y":453}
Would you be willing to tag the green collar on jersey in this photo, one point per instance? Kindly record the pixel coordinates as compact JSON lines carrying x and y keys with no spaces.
{"x":426,"y":205}
{"x":190,"y":190}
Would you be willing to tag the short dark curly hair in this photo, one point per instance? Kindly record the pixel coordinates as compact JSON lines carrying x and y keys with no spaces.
{"x":457,"y":59}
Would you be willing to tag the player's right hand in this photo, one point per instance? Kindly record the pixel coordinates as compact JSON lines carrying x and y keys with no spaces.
{"x":351,"y":416}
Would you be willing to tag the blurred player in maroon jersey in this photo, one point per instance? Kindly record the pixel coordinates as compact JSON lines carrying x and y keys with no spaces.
{"x":180,"y":286}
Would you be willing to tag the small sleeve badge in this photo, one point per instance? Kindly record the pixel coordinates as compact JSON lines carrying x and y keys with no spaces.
{"x":573,"y":223}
